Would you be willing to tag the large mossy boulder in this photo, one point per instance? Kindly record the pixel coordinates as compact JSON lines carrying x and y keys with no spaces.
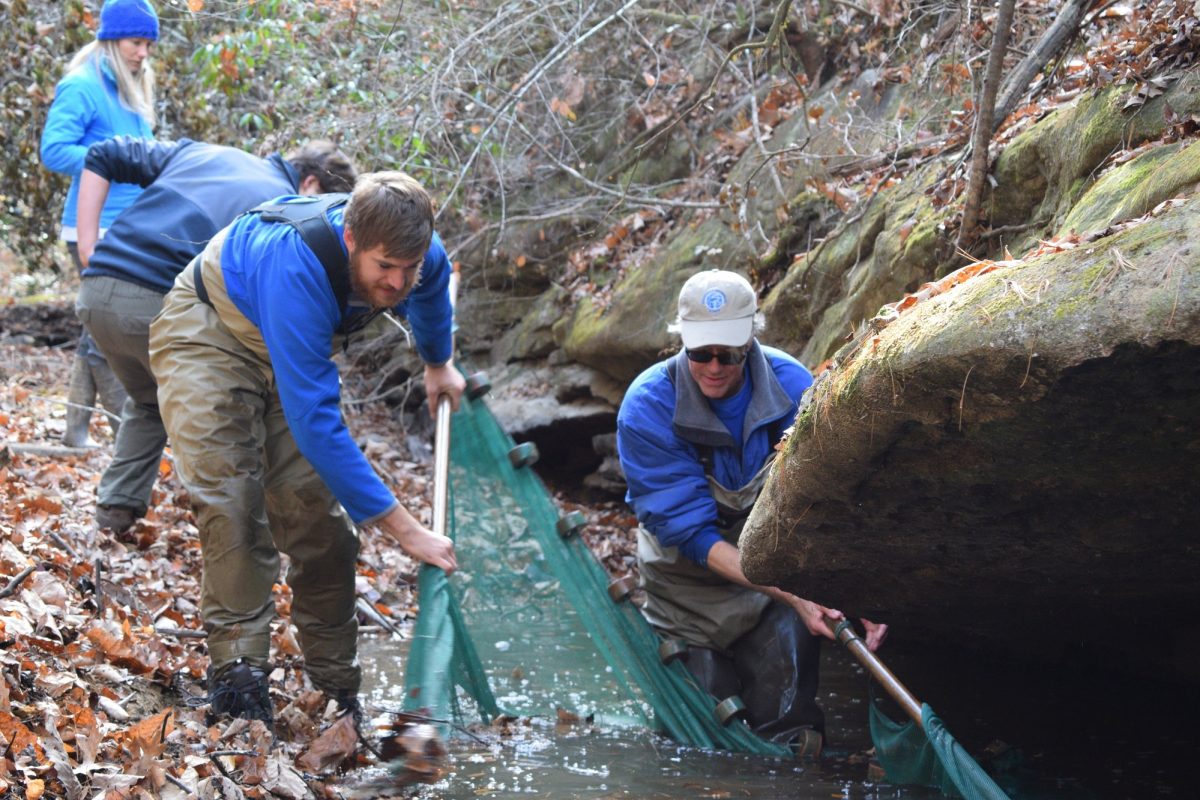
{"x":1041,"y":176}
{"x":1012,"y":464}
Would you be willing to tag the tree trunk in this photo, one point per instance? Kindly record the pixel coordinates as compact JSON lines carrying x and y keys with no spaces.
{"x":984,"y":109}
{"x":1065,"y":26}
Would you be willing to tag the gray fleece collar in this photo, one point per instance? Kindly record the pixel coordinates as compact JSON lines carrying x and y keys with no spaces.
{"x":696,"y":422}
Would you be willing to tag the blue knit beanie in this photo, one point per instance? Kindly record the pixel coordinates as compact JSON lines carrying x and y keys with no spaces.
{"x":123,"y":19}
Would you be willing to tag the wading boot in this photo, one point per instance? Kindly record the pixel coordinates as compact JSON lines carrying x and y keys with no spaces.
{"x":241,"y":690}
{"x":117,"y":519}
{"x":347,"y":703}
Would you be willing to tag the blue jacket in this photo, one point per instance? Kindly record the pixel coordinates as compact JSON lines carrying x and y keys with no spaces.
{"x":278,"y":283}
{"x":660,"y":424}
{"x":86,"y":110}
{"x":193,"y":190}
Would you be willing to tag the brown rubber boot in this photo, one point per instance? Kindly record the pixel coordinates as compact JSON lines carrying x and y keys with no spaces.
{"x":117,"y":519}
{"x":81,"y":395}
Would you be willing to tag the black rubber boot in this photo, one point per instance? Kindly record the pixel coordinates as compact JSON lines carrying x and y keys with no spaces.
{"x":117,"y":519}
{"x":241,"y":690}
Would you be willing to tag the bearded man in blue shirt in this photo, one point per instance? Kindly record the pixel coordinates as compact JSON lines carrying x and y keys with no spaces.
{"x":696,"y":436}
{"x":249,"y":394}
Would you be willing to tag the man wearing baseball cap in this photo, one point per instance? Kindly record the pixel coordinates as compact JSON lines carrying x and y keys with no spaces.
{"x":696,"y":435}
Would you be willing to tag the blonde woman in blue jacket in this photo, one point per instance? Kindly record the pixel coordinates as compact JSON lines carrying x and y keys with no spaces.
{"x":108,"y":90}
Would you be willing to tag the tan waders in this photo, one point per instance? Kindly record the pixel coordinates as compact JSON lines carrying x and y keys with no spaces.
{"x":253,"y":493}
{"x":740,"y":642}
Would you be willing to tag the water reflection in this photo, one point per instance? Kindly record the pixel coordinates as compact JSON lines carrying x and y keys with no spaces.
{"x":614,"y":755}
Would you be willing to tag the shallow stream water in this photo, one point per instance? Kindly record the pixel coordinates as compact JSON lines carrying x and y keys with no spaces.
{"x":614,"y":756}
{"x":1053,"y":734}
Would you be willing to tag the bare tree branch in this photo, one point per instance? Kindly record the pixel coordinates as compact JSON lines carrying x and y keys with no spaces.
{"x":984,"y":108}
{"x":556,"y":55}
{"x":1062,"y":31}
{"x":773,"y":35}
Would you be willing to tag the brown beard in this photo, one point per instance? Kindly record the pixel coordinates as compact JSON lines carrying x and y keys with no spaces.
{"x":360,"y":289}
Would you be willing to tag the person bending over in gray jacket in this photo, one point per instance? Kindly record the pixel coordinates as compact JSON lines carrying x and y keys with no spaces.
{"x":192,"y":190}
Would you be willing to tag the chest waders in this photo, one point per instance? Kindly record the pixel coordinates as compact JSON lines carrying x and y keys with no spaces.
{"x":743,"y":644}
{"x":692,"y":602}
{"x":254,"y":493}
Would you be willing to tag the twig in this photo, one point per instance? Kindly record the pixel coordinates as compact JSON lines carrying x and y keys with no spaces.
{"x":180,"y":633}
{"x":417,"y":715}
{"x":963,"y":397}
{"x":942,"y":144}
{"x":69,"y":404}
{"x":188,"y":789}
{"x":369,"y":611}
{"x":50,"y":450}
{"x":1028,"y":365}
{"x":992,"y":233}
{"x":99,"y":565}
{"x":17,"y":580}
{"x":61,"y":542}
{"x":215,"y":758}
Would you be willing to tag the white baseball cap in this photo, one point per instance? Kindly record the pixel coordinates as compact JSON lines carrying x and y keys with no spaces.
{"x":716,"y":308}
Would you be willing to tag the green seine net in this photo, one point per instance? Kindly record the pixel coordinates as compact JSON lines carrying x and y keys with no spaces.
{"x":929,"y":757}
{"x":526,"y":626}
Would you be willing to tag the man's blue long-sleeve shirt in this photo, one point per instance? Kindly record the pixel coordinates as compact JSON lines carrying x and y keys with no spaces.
{"x":278,"y":283}
{"x":668,"y":489}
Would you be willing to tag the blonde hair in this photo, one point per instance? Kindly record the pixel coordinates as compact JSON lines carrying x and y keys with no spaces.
{"x":136,"y":91}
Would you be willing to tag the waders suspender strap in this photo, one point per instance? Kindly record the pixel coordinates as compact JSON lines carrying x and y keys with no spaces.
{"x":705,"y":453}
{"x":309,"y":217}
{"x":312,"y":222}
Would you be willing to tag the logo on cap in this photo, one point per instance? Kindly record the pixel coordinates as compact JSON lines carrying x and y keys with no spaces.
{"x":714,"y":300}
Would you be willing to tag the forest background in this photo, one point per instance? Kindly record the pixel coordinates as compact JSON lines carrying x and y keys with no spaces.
{"x":567,"y":144}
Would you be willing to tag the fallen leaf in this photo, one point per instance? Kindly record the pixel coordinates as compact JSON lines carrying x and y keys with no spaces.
{"x":332,"y":747}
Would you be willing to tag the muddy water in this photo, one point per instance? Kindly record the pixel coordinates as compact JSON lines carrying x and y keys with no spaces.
{"x":614,"y":756}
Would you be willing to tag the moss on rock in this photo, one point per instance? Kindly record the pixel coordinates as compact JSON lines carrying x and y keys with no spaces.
{"x":1134,"y":188}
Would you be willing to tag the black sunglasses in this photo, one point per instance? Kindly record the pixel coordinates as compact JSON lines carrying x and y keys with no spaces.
{"x":725,"y":357}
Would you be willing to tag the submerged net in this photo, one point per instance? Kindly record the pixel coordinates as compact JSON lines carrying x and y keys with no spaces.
{"x":527,"y":625}
{"x":928,"y":755}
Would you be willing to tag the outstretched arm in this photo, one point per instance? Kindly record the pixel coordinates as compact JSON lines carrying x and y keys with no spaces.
{"x":723,"y":559}
{"x":418,"y":541}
